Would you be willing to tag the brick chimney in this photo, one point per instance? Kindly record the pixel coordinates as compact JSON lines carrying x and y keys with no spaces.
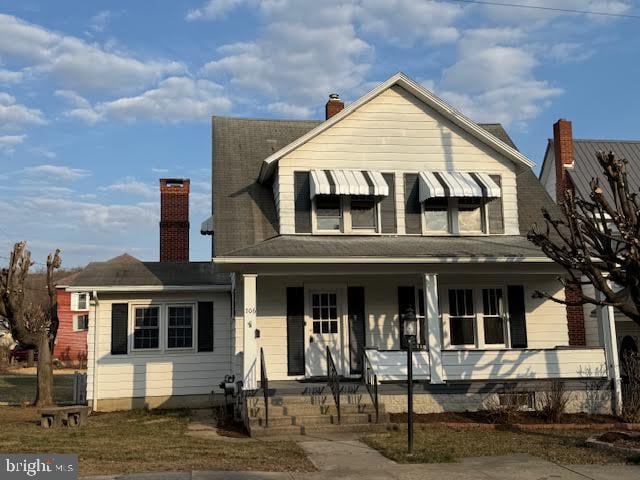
{"x":174,"y":219}
{"x":563,"y":151}
{"x":334,"y":105}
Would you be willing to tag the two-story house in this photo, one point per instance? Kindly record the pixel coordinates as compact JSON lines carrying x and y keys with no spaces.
{"x":334,"y":233}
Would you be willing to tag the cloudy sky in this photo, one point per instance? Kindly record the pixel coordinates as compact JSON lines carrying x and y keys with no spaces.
{"x":99,"y":99}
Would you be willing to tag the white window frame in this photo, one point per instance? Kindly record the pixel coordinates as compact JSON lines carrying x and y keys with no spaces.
{"x":76,"y":323}
{"x":314,"y":219}
{"x":75,"y":301}
{"x":194,"y":319}
{"x":478,"y":318}
{"x":346,"y":227}
{"x":454,"y":227}
{"x":132,"y":315}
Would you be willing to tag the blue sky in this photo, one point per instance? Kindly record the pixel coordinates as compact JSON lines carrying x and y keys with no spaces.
{"x":100,"y":99}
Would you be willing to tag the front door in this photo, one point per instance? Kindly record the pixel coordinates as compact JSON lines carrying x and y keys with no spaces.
{"x":323,"y":330}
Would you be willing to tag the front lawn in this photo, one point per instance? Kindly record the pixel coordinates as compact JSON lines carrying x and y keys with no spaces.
{"x":18,"y":388}
{"x":434,"y":444}
{"x":141,"y":441}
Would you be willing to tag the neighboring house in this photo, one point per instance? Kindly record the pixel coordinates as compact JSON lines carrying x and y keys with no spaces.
{"x":571,"y":163}
{"x":70,"y":348}
{"x":6,"y":339}
{"x":331,"y":232}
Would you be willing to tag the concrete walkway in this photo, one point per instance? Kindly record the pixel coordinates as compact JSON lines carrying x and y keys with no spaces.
{"x":351,"y":459}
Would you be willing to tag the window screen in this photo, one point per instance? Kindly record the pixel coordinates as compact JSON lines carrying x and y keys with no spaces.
{"x":461,"y":317}
{"x":363,"y":212}
{"x":436,"y":215}
{"x":328,"y":212}
{"x":470,"y":215}
{"x":492,"y":313}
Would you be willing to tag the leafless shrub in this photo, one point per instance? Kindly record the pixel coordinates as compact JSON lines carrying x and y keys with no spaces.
{"x":505,"y":406}
{"x":631,"y":387}
{"x":554,"y":400}
{"x":597,"y":389}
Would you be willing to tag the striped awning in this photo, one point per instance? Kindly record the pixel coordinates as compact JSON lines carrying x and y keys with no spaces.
{"x":457,"y":184}
{"x":348,"y":182}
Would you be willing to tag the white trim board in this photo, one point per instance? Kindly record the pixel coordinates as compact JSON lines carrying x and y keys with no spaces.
{"x":153,"y":288}
{"x":269,"y":164}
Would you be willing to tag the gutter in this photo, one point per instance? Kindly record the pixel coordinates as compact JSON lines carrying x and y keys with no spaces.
{"x":373,"y":260}
{"x":152,"y":288}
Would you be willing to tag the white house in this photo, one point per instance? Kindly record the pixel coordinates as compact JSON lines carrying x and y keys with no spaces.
{"x":325,"y":234}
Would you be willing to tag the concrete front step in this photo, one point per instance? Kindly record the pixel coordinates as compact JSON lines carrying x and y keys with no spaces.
{"x":318,"y":429}
{"x":308,"y":409}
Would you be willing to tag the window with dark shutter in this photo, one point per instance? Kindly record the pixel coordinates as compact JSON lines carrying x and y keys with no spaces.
{"x":388,"y":206}
{"x":302,"y":202}
{"x":517,"y":316}
{"x":205,"y":326}
{"x":496,"y":217}
{"x":119,"y":328}
{"x":412,"y":204}
{"x":295,"y":331}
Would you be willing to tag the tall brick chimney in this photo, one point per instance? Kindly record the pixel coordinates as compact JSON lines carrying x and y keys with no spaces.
{"x":174,"y":219}
{"x":563,"y":151}
{"x":334,"y":105}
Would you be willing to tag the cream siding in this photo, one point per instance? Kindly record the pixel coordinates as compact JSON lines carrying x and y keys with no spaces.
{"x":546,"y":320}
{"x":161,"y":373}
{"x":396,"y":132}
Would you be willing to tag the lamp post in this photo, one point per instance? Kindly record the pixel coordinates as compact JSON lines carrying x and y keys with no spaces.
{"x":410,"y":331}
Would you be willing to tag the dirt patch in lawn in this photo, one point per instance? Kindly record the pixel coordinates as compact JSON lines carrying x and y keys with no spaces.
{"x":434,"y":443}
{"x":144,"y":441}
{"x":486,"y":417}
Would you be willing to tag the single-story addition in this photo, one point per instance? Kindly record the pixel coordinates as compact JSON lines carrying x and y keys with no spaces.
{"x":333,"y":234}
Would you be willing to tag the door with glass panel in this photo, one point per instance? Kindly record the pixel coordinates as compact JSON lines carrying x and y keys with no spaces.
{"x":323,"y":330}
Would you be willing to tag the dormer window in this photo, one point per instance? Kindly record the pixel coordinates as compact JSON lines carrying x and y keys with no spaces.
{"x":328,"y":213}
{"x":364,"y":213}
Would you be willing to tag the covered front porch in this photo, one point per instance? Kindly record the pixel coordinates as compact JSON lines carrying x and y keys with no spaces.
{"x":476,"y":323}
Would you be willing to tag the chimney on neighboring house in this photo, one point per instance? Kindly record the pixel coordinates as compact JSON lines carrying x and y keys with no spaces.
{"x":563,"y":151}
{"x":174,"y":219}
{"x":334,"y":105}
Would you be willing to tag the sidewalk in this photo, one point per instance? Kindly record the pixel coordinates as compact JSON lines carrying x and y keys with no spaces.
{"x":352,"y":459}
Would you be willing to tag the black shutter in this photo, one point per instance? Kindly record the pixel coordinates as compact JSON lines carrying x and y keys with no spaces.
{"x":496,"y":216}
{"x":302,"y":202}
{"x":205,"y":326}
{"x":295,"y":331}
{"x":411,"y":204}
{"x":388,"y":206}
{"x":355,"y":307}
{"x":406,"y":299}
{"x":517,"y":316}
{"x":119,"y":328}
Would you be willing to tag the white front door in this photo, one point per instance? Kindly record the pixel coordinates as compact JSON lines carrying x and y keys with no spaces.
{"x":324,"y":325}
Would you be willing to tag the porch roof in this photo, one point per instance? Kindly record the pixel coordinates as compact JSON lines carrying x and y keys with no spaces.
{"x":513,"y":247}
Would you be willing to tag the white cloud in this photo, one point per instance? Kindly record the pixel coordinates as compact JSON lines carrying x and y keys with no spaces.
{"x":76,"y":63}
{"x":569,"y":52}
{"x":14,"y":115}
{"x":213,"y":9}
{"x":159,"y":170}
{"x":72,"y":98}
{"x":99,"y":22}
{"x":8,"y":143}
{"x":9,"y":76}
{"x":175,"y":99}
{"x":290,"y":111}
{"x":132,"y":186}
{"x":60,"y":172}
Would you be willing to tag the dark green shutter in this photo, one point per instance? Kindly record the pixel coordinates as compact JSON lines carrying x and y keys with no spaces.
{"x":517,"y":316}
{"x":205,"y":326}
{"x":496,"y":216}
{"x":356,"y":314}
{"x":302,"y":202}
{"x":412,"y":219}
{"x":388,"y":206}
{"x":406,"y":298}
{"x":119,"y":328}
{"x":295,"y":331}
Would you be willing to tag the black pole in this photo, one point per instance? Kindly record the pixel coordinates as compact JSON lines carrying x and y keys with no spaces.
{"x":410,"y":394}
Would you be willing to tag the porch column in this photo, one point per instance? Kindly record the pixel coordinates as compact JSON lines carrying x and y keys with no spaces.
{"x":608,"y":322}
{"x":251,"y":369}
{"x":433,"y":327}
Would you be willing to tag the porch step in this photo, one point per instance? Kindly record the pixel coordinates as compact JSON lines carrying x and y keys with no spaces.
{"x":319,"y":429}
{"x":307,"y":409}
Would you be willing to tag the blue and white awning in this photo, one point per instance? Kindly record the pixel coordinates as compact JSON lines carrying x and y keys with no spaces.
{"x":348,"y":182}
{"x":457,"y":184}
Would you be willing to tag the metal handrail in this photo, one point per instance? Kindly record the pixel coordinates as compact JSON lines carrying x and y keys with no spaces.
{"x":368,"y":375}
{"x":264,"y":385}
{"x":333,"y":380}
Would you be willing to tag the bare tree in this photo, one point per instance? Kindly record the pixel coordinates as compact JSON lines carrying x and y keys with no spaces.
{"x":598,"y":239}
{"x":31,"y":324}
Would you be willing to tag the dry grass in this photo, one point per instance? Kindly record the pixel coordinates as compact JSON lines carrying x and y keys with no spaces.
{"x":19,"y":388}
{"x":141,"y":441}
{"x":434,"y":444}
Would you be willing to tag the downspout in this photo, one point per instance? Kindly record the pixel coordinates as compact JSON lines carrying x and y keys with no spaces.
{"x":94,"y":400}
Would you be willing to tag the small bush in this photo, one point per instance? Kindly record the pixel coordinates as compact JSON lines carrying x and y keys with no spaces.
{"x":553,"y":402}
{"x":504,"y":407}
{"x":631,"y":388}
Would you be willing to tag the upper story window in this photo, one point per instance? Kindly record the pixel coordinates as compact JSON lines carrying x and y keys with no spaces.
{"x":79,"y":301}
{"x":328,"y":213}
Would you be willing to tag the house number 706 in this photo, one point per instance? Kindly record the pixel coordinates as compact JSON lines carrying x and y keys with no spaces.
{"x":250,"y":310}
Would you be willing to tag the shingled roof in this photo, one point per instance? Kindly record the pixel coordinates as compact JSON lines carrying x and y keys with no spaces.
{"x":245,"y":213}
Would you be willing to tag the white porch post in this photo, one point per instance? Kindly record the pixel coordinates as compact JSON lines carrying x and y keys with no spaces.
{"x":250,"y":367}
{"x":433,"y":327}
{"x":608,"y":322}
